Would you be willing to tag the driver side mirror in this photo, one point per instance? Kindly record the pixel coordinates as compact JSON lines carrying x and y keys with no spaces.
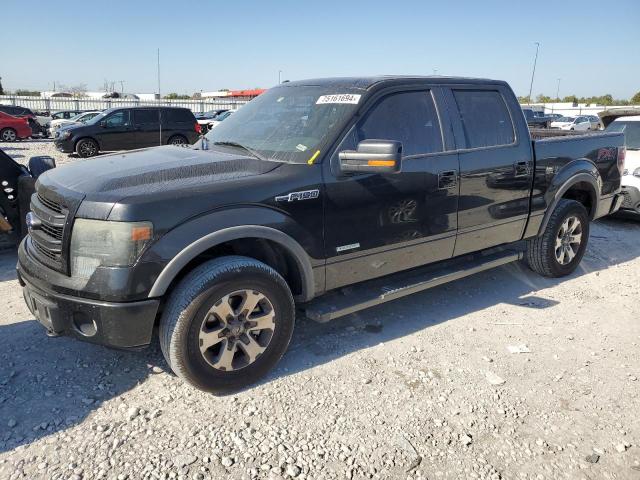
{"x":373,"y":156}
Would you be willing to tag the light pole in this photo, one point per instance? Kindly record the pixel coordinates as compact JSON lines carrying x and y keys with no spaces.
{"x":558,"y":90}
{"x":533,"y":73}
{"x":279,"y":77}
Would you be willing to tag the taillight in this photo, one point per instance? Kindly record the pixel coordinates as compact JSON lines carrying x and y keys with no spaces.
{"x":198,"y":128}
{"x":622,"y":153}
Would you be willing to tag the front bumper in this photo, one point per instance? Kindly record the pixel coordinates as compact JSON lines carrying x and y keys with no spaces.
{"x":113,"y":324}
{"x":64,"y":146}
{"x":631,"y":198}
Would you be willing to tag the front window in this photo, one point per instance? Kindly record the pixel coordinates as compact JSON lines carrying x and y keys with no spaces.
{"x":631,"y":132}
{"x":289,"y":123}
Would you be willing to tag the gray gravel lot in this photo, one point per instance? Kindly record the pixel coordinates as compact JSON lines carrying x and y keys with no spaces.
{"x":424,"y":387}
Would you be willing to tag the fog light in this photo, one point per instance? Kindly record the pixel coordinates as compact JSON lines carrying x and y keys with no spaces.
{"x":84,"y":325}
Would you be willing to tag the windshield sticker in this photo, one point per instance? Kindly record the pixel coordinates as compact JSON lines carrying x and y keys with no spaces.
{"x":338,"y":98}
{"x":301,"y":147}
{"x":313,"y":158}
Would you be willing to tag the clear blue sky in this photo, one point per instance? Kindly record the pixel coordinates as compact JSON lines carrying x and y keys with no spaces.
{"x":593,"y":46}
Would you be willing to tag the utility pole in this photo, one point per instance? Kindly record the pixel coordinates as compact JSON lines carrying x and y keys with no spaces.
{"x":279,"y":77}
{"x":533,"y":73}
{"x":121,"y":86}
{"x":159,"y":94}
{"x":558,"y":90}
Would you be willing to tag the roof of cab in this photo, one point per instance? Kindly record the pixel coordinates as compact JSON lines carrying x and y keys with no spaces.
{"x":366,"y":83}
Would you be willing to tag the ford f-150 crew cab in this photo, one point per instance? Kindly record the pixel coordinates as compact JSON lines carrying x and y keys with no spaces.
{"x":384,"y":185}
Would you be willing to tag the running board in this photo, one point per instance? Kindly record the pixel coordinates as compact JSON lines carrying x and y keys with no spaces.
{"x":374,"y":292}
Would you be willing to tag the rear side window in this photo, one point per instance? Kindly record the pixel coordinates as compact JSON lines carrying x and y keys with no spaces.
{"x":179,"y":115}
{"x":485,"y":118}
{"x":148,"y":116}
{"x":408,"y":117}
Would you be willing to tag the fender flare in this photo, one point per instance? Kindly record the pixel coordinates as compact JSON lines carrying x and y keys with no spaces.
{"x":578,"y":178}
{"x":203,"y":244}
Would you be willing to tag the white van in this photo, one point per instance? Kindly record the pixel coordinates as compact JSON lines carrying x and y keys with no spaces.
{"x":631,"y":177}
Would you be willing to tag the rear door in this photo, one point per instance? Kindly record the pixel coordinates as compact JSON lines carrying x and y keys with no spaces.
{"x":146,"y":123}
{"x":376,"y":224}
{"x":496,"y":166}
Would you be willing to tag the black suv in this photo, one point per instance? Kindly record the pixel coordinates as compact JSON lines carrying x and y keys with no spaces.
{"x":129,"y":128}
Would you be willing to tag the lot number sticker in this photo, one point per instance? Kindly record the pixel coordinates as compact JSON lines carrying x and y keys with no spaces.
{"x":338,"y":98}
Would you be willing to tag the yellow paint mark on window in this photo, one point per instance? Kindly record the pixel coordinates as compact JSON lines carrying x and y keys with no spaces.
{"x":313,"y":158}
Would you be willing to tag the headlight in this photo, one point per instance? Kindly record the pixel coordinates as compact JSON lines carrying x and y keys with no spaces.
{"x":98,"y":243}
{"x":65,"y":135}
{"x":636,"y":172}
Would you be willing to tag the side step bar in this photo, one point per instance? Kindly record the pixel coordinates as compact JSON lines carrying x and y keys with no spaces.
{"x":374,"y":292}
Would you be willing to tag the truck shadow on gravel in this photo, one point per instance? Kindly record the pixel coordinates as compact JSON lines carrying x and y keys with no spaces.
{"x":48,"y":385}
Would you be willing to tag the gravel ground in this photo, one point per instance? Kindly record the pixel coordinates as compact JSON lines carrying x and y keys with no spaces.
{"x":425,"y":387}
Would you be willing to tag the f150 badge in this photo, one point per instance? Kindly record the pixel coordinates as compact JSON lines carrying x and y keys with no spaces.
{"x":306,"y":195}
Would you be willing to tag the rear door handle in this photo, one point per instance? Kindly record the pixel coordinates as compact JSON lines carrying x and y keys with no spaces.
{"x":521,"y":169}
{"x":447,"y":179}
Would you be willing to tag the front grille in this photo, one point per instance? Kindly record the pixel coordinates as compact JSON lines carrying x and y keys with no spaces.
{"x":56,"y":207}
{"x":47,"y":236}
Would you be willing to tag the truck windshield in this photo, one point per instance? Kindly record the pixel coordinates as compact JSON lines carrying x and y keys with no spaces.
{"x":631,"y":132}
{"x":288,"y":123}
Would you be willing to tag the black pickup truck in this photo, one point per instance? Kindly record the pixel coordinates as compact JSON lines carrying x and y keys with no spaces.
{"x":385,"y":185}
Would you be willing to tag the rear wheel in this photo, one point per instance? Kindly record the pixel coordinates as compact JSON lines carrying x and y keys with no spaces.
{"x":8,"y":135}
{"x":227,"y":323}
{"x":178,"y":140}
{"x":559,"y":250}
{"x":87,"y":148}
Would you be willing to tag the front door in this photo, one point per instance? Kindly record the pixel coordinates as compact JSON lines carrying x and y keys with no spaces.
{"x":496,"y":167}
{"x":147,"y":126}
{"x":116,"y":132}
{"x":376,"y":224}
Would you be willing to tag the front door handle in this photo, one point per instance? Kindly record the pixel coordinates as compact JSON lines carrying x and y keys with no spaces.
{"x":521,"y":169}
{"x":447,"y":179}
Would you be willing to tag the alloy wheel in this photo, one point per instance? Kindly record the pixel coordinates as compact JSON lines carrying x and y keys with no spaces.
{"x":9,"y":135}
{"x":568,"y":240}
{"x":236,"y":330}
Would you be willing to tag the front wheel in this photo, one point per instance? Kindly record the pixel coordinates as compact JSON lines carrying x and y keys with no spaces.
{"x":227,"y":323}
{"x":87,"y":148}
{"x":8,"y":135}
{"x":559,"y":250}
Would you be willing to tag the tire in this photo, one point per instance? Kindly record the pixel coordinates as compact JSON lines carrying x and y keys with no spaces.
{"x":193,"y":311}
{"x":39,"y":165}
{"x":545,"y":253}
{"x":8,"y":135}
{"x":178,"y":140}
{"x":87,"y":147}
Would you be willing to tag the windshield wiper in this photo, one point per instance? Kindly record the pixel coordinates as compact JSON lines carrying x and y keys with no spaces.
{"x":239,"y":145}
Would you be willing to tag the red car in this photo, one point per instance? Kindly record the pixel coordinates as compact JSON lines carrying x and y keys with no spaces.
{"x":13,"y":128}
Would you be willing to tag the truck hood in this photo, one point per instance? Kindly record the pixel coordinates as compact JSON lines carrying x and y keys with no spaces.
{"x":154,"y":169}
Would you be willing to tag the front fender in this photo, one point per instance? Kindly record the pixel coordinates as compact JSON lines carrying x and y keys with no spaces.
{"x":182,"y":244}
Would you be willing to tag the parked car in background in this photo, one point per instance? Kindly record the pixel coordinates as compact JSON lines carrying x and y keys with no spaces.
{"x":534,"y":121}
{"x":580,"y":123}
{"x":211,"y":118}
{"x":79,"y":119}
{"x":65,"y":114}
{"x":596,"y":123}
{"x":414,"y":182}
{"x":14,"y":128}
{"x":129,"y":128}
{"x":630,"y":126}
{"x":219,"y":119}
{"x":554,"y":116}
{"x":38,"y":124}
